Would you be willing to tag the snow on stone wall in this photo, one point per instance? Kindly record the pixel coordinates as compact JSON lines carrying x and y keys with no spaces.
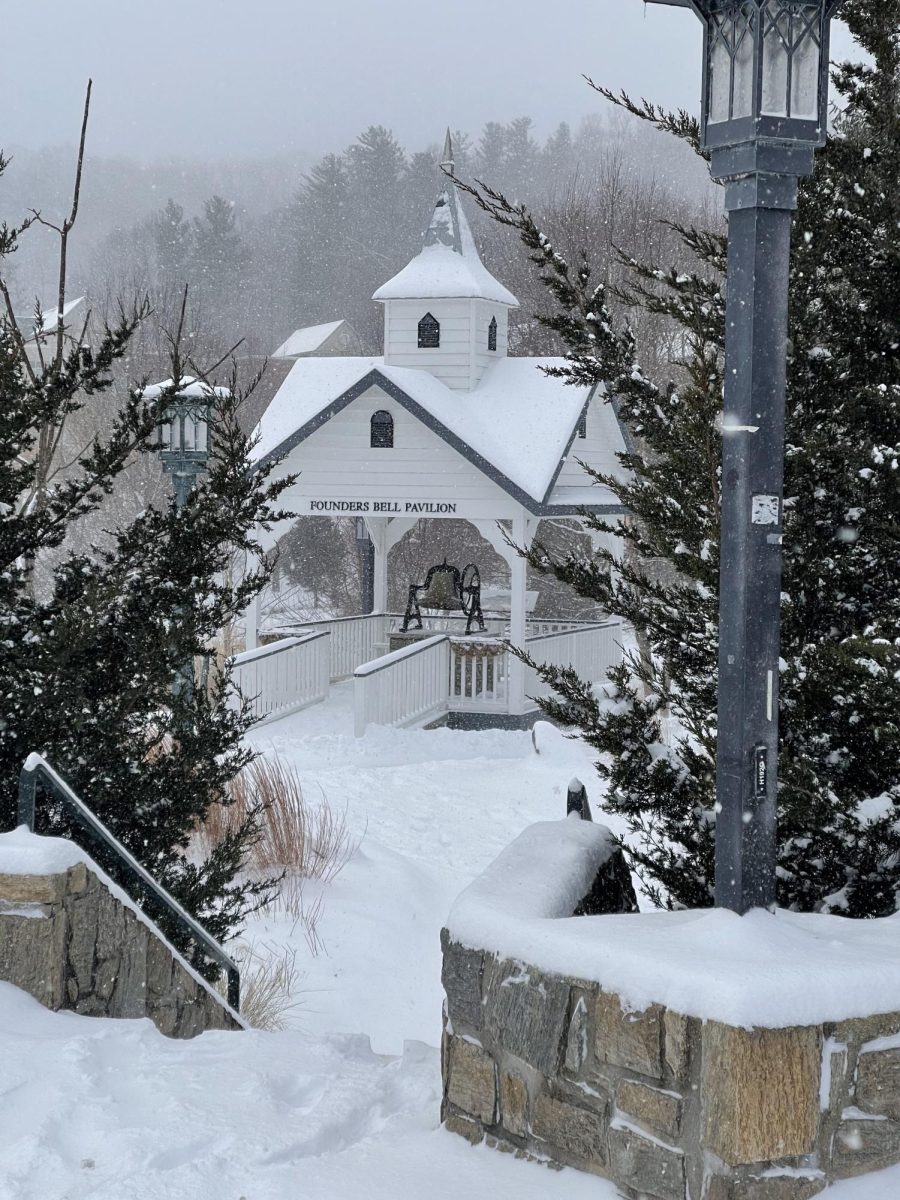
{"x":74,"y":942}
{"x":543,"y":1054}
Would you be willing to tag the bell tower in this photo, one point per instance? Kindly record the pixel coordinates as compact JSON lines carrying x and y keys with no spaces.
{"x":444,"y":312}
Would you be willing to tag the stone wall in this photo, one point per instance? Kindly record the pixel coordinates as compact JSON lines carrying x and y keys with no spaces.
{"x":664,"y":1105}
{"x":67,"y":940}
{"x":669,"y":1106}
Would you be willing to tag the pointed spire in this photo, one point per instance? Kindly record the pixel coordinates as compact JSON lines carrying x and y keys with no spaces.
{"x":448,"y":264}
{"x":447,"y":162}
{"x":444,"y":226}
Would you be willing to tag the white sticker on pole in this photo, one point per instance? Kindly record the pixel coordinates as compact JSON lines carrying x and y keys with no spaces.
{"x":766,"y":510}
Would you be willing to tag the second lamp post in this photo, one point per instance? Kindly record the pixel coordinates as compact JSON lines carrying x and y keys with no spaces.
{"x":184,"y":442}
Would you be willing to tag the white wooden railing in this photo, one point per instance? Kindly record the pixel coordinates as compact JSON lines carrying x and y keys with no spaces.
{"x":452,"y":623}
{"x":284,"y":676}
{"x":407,"y":687}
{"x":590,"y":649}
{"x":418,"y":683}
{"x":534,"y":629}
{"x":353,"y":640}
{"x":478,"y":682}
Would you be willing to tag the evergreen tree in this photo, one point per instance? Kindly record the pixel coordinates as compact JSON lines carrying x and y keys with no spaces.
{"x":522,"y":157}
{"x":378,"y":242}
{"x":654,"y":725}
{"x":490,"y":159}
{"x":173,"y":238}
{"x":323,"y":219}
{"x":87,"y":666}
{"x":218,"y":261}
{"x":558,"y":154}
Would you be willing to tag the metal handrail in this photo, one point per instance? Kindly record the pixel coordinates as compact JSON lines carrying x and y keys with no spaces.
{"x":36,"y":765}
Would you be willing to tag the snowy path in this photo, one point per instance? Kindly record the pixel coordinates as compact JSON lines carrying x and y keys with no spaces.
{"x":432,"y":808}
{"x":106,"y":1110}
{"x":111,"y":1110}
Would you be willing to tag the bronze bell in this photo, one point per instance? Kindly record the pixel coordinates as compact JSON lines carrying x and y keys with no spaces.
{"x":443,"y":591}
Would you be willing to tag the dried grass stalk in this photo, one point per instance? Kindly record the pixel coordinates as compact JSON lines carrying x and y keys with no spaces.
{"x":298,"y":840}
{"x":268,"y":987}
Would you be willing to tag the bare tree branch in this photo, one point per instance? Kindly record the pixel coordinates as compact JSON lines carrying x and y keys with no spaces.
{"x":67,"y":225}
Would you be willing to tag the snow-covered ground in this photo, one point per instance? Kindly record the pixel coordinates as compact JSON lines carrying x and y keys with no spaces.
{"x":432,"y":809}
{"x":344,"y":1105}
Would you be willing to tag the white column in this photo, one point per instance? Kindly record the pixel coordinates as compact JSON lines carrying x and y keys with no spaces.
{"x":378,"y":532}
{"x":385,"y":533}
{"x":517,"y":614}
{"x":522,"y":533}
{"x":607,"y":541}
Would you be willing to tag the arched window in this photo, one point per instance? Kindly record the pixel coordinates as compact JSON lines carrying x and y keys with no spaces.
{"x":492,"y":334}
{"x":429,"y":333}
{"x":381,"y":430}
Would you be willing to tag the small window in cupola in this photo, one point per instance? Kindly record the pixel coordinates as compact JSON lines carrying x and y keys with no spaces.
{"x":492,"y":334}
{"x":381,"y":429}
{"x":429,"y":333}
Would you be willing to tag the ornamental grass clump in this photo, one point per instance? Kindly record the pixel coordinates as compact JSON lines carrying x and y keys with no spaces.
{"x":295,"y":841}
{"x":269,"y":982}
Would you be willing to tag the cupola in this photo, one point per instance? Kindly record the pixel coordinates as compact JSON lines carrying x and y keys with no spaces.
{"x":444,"y":312}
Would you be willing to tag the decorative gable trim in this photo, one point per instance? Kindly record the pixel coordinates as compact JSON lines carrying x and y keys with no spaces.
{"x":626,"y":438}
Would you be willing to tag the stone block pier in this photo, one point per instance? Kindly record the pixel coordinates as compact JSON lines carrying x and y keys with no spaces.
{"x":73,"y":940}
{"x":586,"y":1069}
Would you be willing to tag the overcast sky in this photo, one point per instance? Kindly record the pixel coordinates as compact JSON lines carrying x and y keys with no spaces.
{"x":222,"y":78}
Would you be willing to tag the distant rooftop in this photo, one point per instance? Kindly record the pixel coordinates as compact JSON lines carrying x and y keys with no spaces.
{"x":307,"y":340}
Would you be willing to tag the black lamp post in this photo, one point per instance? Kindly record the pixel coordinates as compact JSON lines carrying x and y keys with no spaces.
{"x":765,"y":108}
{"x":366,"y":552}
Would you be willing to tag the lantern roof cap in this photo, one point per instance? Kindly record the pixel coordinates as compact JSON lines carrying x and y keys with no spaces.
{"x":189,"y":387}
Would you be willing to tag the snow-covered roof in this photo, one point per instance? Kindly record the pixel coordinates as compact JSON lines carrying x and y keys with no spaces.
{"x":49,"y":319}
{"x":518,"y":421}
{"x":189,"y":387}
{"x":307,"y":340}
{"x":448,"y":265}
{"x":51,"y":315}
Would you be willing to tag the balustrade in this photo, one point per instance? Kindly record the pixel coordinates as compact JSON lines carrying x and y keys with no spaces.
{"x":284,"y":676}
{"x":407,"y":687}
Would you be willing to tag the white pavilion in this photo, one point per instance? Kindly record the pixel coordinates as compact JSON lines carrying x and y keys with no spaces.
{"x":444,"y":424}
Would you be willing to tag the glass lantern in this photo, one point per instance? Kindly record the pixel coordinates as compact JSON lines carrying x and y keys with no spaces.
{"x":765,"y":70}
{"x":184,"y":431}
{"x":184,"y":423}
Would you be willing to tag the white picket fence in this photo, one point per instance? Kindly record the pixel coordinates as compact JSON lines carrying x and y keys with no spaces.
{"x":406,"y":687}
{"x":478,"y":682}
{"x":284,"y":676}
